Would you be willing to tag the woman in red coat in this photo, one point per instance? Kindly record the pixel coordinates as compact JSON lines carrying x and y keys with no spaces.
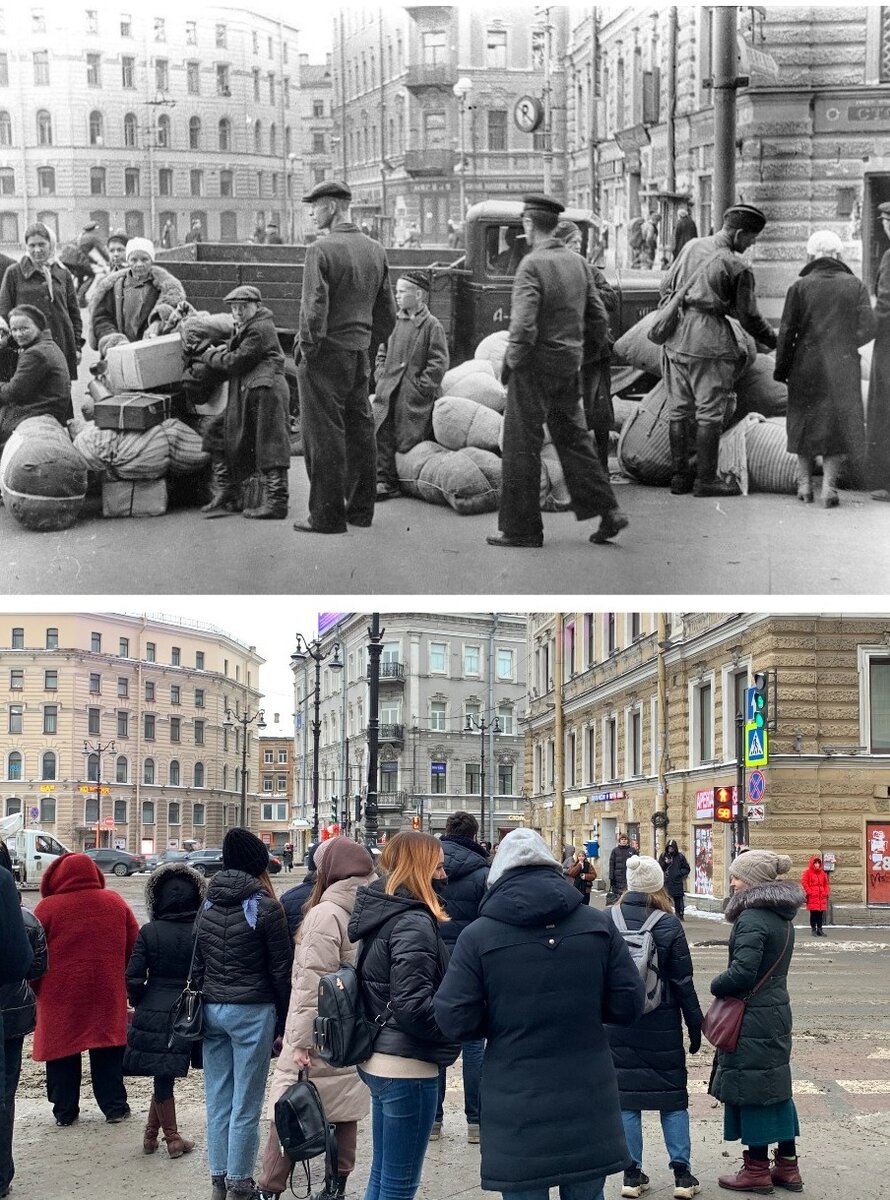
{"x":82,"y":998}
{"x":815,"y":883}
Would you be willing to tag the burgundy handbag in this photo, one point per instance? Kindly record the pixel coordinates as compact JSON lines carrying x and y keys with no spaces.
{"x":723,"y":1020}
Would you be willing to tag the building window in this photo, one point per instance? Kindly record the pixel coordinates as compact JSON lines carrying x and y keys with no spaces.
{"x":199,"y":697}
{"x":94,"y":70}
{"x":610,"y":748}
{"x":879,"y":705}
{"x":175,"y":729}
{"x":6,"y":140}
{"x":435,"y":47}
{"x":636,"y":626}
{"x":121,"y":770}
{"x":48,"y":765}
{"x":149,"y":689}
{"x":163,"y":132}
{"x":95,"y":684}
{"x":268,"y":756}
{"x":148,"y":812}
{"x":123,"y":687}
{"x":196,"y":185}
{"x":130,"y":130}
{"x":174,"y":693}
{"x":496,"y":49}
{"x":472,"y":779}
{"x":41,"y":68}
{"x":14,"y":765}
{"x":589,"y":754}
{"x":198,"y":774}
{"x":195,"y":138}
{"x":174,"y":813}
{"x":94,"y":720}
{"x":256,"y":84}
{"x":611,"y":635}
{"x":505,"y":779}
{"x":472,"y":660}
{"x":198,"y":814}
{"x":568,"y":769}
{"x":18,"y":638}
{"x":437,"y":716}
{"x":97,"y":181}
{"x":222,"y":80}
{"x":149,"y":721}
{"x":150,"y":652}
{"x":191,"y":33}
{"x":50,"y":681}
{"x":46,"y":181}
{"x":148,"y":770}
{"x":15,"y":718}
{"x":438,"y":658}
{"x":131,"y":181}
{"x":175,"y":657}
{"x":271,"y":87}
{"x":267,"y":784}
{"x":173,"y":773}
{"x":50,"y":718}
{"x":282,"y":758}
{"x":128,"y":71}
{"x":165,"y":181}
{"x":120,"y":812}
{"x":220,"y":36}
{"x":505,"y":664}
{"x":438,"y":778}
{"x":635,"y":742}
{"x":199,"y":733}
{"x":702,"y":724}
{"x":505,"y":718}
{"x":16,"y":680}
{"x":317,"y":109}
{"x":193,"y":78}
{"x":162,"y":75}
{"x":44,"y":128}
{"x":4,"y":69}
{"x":160,"y":29}
{"x":123,"y":723}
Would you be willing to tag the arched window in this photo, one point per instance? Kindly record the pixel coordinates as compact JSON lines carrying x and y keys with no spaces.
{"x":13,"y":805}
{"x":163,"y":130}
{"x":148,"y":771}
{"x":258,"y":138}
{"x":199,"y":774}
{"x":44,"y":128}
{"x":195,"y":133}
{"x":48,"y":765}
{"x":273,"y":139}
{"x":97,"y":128}
{"x":5,"y":129}
{"x":121,"y":770}
{"x":14,"y":765}
{"x":225,"y":134}
{"x":174,"y":813}
{"x":93,"y":768}
{"x":174,"y":773}
{"x":130,"y":127}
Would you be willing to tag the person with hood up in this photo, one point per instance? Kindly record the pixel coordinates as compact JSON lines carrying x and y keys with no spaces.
{"x":343,"y":866}
{"x":253,"y":434}
{"x":676,"y":871}
{"x":537,"y":975}
{"x":293,"y":901}
{"x":243,"y":961}
{"x":18,"y":1016}
{"x":90,"y":935}
{"x":466,"y":868}
{"x":618,"y":865}
{"x":403,"y":961}
{"x":817,"y":888}
{"x":156,"y":975}
{"x":649,"y":1055}
{"x":753,"y":1082}
{"x":134,"y":303}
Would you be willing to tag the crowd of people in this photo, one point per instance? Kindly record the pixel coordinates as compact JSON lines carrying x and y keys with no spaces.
{"x":500,"y":959}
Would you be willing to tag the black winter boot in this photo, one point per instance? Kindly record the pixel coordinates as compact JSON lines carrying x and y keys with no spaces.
{"x":681,"y":472}
{"x":334,"y":1188}
{"x":223,"y":492}
{"x":218,"y":1187}
{"x":707,"y":448}
{"x":275,"y":497}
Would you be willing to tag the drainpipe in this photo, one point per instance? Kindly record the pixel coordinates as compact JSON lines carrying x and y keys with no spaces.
{"x":558,"y":765}
{"x":658,"y":835}
{"x":724,"y":90}
{"x":672,"y":100}
{"x":491,"y":720}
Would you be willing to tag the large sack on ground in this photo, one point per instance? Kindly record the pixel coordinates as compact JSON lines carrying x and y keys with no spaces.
{"x":770,"y":467}
{"x":484,"y":389}
{"x":758,"y":392}
{"x":125,"y":455}
{"x":186,"y":455}
{"x":493,"y":348}
{"x":473,"y":366}
{"x":644,"y":448}
{"x":557,"y":498}
{"x":441,"y":476}
{"x":458,"y":422}
{"x":635,"y":348}
{"x":43,"y":478}
{"x":491,"y":465}
{"x":623,"y":411}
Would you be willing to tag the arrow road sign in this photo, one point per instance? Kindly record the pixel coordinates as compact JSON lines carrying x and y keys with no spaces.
{"x":756,"y":786}
{"x":756,"y":754}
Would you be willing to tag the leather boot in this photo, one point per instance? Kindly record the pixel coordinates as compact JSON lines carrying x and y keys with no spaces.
{"x":177,"y":1145}
{"x":707,"y":449}
{"x":753,"y":1177}
{"x":275,"y":497}
{"x":785,"y":1173}
{"x":831,"y":468}
{"x":218,"y":1187}
{"x":223,"y":491}
{"x":681,"y":477}
{"x":152,"y":1125}
{"x":804,"y":479}
{"x":334,"y":1189}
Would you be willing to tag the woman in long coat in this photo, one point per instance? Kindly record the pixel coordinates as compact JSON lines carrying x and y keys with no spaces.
{"x":814,"y":882}
{"x":128,"y":303}
{"x":156,"y":975}
{"x":322,"y":945}
{"x":827,"y":317}
{"x":40,"y":385}
{"x":754,"y":1081}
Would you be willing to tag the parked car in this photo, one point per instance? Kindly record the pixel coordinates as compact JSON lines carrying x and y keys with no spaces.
{"x":166,"y":856}
{"x":205,"y":862}
{"x":117,"y":862}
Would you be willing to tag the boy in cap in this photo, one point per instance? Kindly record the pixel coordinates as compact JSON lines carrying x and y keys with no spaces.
{"x":117,"y":250}
{"x":557,"y":320}
{"x":347,"y":306}
{"x":702,"y":358}
{"x":409,"y":372}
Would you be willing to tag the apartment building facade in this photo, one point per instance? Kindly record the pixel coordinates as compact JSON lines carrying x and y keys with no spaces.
{"x":113,"y":728}
{"x":275,"y":790}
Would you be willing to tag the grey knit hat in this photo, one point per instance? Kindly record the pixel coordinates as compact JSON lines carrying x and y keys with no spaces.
{"x":759,"y":866}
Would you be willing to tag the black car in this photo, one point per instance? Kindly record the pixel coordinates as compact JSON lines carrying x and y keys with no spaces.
{"x":117,"y":862}
{"x":205,"y":862}
{"x":166,"y":856}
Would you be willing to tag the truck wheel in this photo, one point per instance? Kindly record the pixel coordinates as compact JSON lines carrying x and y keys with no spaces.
{"x":119,"y":869}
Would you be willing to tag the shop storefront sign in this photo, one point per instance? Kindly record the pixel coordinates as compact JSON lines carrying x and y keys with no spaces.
{"x":596,"y":797}
{"x":851,"y":114}
{"x":704,"y":804}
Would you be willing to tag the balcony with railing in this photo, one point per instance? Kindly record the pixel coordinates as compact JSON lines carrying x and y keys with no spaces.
{"x":431,"y":75}
{"x":392,"y":672}
{"x":392,"y":801}
{"x":390,"y":734}
{"x":429,"y":162}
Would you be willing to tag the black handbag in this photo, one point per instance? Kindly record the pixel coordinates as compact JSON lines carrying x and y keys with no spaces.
{"x":304,"y":1131}
{"x":186,"y":1022}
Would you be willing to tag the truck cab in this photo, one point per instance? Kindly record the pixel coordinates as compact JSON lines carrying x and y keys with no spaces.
{"x":32,"y":851}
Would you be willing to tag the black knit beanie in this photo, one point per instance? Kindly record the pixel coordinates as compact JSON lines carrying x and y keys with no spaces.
{"x":243,"y":851}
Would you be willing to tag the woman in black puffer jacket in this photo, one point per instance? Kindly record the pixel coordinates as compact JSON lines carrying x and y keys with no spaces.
{"x":156,"y":974}
{"x":401,"y":964}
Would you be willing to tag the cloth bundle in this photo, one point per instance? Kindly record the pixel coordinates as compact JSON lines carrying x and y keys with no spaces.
{"x":453,"y":477}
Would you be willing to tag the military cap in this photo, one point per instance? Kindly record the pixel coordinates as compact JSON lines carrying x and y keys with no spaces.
{"x":245,"y":292}
{"x":328,"y":187}
{"x":417,"y":278}
{"x":539,"y":203}
{"x":884,"y":210}
{"x":745,"y":217}
{"x":90,"y":226}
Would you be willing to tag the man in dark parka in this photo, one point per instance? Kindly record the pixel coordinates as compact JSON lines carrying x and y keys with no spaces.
{"x":618,"y":864}
{"x":877,"y":417}
{"x":409,"y":371}
{"x":537,"y":975}
{"x":347,"y":306}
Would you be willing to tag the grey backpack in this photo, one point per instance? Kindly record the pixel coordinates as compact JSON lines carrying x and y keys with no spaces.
{"x":644,"y":952}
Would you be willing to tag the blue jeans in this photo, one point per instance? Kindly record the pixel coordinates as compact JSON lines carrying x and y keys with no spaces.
{"x":402,"y":1112}
{"x":674,"y":1127}
{"x":471,"y":1055}
{"x":590,"y":1189}
{"x":237,"y":1049}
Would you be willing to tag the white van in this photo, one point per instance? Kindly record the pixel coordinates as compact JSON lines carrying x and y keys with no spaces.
{"x":32,"y":850}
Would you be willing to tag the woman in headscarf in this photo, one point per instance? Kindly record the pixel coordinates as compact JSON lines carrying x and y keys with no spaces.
{"x":40,"y":385}
{"x":41,"y":280}
{"x":134,"y":303}
{"x":827,"y":317}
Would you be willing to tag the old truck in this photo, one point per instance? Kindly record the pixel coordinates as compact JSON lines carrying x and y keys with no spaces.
{"x":470,"y":288}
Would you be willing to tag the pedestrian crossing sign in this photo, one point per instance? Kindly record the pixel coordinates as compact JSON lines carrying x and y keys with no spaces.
{"x":756,"y":748}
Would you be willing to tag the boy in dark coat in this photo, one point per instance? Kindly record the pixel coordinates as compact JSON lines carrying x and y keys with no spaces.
{"x":41,"y":385}
{"x":409,"y":371}
{"x":156,"y":974}
{"x":537,"y":975}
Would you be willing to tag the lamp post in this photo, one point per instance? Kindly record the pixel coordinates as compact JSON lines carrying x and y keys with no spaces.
{"x":462,"y":89}
{"x":160,"y":101}
{"x":483,"y":727}
{"x":303,"y":652}
{"x":231,"y":721}
{"x":291,"y":198}
{"x":99,"y":749}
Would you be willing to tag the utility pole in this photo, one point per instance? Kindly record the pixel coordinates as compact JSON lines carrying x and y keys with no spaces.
{"x":375,"y":649}
{"x":343,"y":96}
{"x":725,"y":84}
{"x":383,"y":216}
{"x":548,"y":136}
{"x":593,"y":131}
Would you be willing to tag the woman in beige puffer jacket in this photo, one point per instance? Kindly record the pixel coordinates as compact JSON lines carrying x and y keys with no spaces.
{"x":322,"y":944}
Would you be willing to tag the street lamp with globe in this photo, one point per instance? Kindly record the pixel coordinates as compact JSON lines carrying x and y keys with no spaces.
{"x":303,"y":652}
{"x":462,"y":89}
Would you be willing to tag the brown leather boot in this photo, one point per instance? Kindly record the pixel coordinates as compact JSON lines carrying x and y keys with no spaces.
{"x":152,"y":1125}
{"x":177,"y":1145}
{"x":753,"y":1177}
{"x":785,"y":1173}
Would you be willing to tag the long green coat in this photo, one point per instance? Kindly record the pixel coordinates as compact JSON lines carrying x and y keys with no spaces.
{"x":759,"y":1072}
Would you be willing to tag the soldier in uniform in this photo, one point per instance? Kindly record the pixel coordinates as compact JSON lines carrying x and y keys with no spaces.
{"x":877,"y":417}
{"x":347,"y":305}
{"x":701,"y":358}
{"x":557,"y":319}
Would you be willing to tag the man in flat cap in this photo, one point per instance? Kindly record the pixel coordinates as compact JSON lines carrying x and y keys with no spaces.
{"x":877,"y":416}
{"x":409,"y":370}
{"x":557,"y":321}
{"x":703,"y":357}
{"x":347,"y":306}
{"x":253,"y":434}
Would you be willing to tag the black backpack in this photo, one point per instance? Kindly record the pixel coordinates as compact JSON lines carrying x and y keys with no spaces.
{"x":344,"y":1036}
{"x":304,"y":1132}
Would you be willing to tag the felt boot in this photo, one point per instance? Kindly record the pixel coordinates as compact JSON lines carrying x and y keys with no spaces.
{"x":275,"y":497}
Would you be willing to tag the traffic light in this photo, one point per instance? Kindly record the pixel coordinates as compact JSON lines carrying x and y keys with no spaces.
{"x":415,"y":822}
{"x":723,"y":805}
{"x":758,"y":701}
{"x":358,"y":807}
{"x":335,"y":810}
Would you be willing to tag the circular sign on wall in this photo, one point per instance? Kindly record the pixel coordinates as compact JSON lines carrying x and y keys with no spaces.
{"x":528,"y":113}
